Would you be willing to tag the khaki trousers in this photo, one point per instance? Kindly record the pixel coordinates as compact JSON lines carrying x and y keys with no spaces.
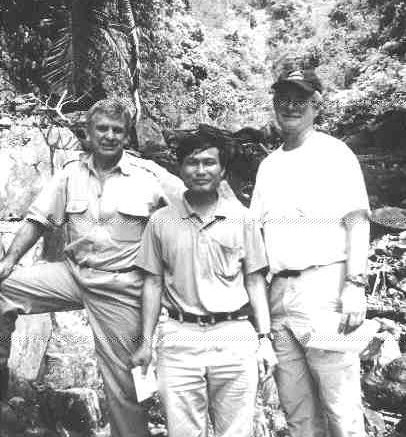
{"x":208,"y":371}
{"x":111,"y":301}
{"x":319,"y":389}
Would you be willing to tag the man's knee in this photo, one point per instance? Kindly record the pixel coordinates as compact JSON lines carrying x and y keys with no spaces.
{"x":8,"y":308}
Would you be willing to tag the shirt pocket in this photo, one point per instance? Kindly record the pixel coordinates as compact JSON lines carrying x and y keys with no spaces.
{"x":130,"y":223}
{"x":78,"y":222}
{"x":227,"y":258}
{"x":76,"y":206}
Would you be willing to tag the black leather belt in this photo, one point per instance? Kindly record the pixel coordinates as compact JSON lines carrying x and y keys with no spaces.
{"x":210,"y":319}
{"x":288,"y":273}
{"x":295,"y":273}
{"x":124,"y":270}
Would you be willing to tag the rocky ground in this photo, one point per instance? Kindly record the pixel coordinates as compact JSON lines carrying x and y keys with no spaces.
{"x":384,"y":383}
{"x":56,"y":388}
{"x":66,"y":397}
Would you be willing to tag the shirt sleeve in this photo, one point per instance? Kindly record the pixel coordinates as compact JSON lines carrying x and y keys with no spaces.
{"x":48,"y":208}
{"x":171,"y":186}
{"x":255,"y":256}
{"x":149,"y":257}
{"x":257,"y":201}
{"x":160,"y":199}
{"x":352,"y":194}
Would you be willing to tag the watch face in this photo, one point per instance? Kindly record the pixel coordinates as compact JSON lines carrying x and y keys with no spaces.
{"x":268,"y":336}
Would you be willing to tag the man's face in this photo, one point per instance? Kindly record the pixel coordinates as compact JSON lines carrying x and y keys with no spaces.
{"x":201,"y":171}
{"x":295,"y":110}
{"x":107,"y":136}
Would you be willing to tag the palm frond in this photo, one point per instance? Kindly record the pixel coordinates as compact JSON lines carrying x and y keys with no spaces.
{"x":69,"y":62}
{"x":73,"y":61}
{"x":117,"y":51}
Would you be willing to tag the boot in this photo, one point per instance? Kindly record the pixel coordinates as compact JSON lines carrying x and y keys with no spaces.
{"x":4,"y":374}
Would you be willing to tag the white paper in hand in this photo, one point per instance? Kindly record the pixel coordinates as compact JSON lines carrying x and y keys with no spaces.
{"x":145,"y":385}
{"x":325,"y":335}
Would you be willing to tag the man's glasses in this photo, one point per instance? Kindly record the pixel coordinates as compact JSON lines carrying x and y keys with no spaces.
{"x":291,"y":103}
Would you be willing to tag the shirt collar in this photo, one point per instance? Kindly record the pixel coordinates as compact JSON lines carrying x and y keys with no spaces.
{"x":222,"y":208}
{"x":123,"y":164}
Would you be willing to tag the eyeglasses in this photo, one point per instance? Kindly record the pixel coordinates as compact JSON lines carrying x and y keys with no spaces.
{"x":295,"y":103}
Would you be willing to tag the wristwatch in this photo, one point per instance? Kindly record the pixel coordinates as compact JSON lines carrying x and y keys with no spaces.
{"x":359,"y":280}
{"x":265,"y":335}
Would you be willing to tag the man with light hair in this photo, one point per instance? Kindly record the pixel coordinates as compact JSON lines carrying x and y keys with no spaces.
{"x":103,"y":200}
{"x":311,"y":199}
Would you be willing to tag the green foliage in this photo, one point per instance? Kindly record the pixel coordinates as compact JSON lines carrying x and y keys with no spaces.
{"x":26,"y":30}
{"x":365,"y":76}
{"x":392,"y":21}
{"x":214,"y":62}
{"x":198,"y":74}
{"x":291,"y":21}
{"x":67,"y":44}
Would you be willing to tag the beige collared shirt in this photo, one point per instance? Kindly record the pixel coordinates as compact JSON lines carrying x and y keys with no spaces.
{"x":203,"y":263}
{"x":103,"y":221}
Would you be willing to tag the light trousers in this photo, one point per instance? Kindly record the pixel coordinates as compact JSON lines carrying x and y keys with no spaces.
{"x":111,"y":301}
{"x":208,"y":372}
{"x":319,"y":389}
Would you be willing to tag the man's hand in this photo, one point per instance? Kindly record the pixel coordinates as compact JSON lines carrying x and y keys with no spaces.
{"x":26,"y":237}
{"x":142,"y":357}
{"x":266,"y":358}
{"x":354,"y":307}
{"x":6,"y":268}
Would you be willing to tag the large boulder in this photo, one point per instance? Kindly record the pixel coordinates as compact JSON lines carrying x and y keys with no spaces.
{"x":27,"y":161}
{"x":387,"y":389}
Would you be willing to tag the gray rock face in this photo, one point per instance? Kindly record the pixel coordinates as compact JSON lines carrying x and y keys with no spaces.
{"x":52,"y":362}
{"x":5,"y":122}
{"x":30,"y":341}
{"x":26,"y":164}
{"x":73,"y":410}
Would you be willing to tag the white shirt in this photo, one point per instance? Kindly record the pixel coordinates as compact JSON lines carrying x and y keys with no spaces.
{"x":301,"y":197}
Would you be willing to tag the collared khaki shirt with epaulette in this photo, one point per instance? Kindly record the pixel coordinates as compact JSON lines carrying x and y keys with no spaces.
{"x":203,"y":263}
{"x":104,"y":221}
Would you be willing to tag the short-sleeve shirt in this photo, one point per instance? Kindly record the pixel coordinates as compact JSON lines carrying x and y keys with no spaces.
{"x":103,"y":222}
{"x":301,"y":197}
{"x":203,"y":264}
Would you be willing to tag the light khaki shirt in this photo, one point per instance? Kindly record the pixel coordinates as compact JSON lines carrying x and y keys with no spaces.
{"x":103,"y":222}
{"x":203,"y":263}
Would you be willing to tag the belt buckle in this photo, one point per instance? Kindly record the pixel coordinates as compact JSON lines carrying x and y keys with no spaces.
{"x":201,"y":322}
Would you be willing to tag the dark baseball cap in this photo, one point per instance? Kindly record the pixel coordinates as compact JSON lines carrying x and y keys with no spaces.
{"x":307,"y":80}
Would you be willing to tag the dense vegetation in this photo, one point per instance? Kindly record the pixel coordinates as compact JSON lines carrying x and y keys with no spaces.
{"x":214,"y":61}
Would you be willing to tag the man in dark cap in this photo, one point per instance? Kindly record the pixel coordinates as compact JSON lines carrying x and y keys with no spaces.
{"x":311,"y":199}
{"x":204,"y":260}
